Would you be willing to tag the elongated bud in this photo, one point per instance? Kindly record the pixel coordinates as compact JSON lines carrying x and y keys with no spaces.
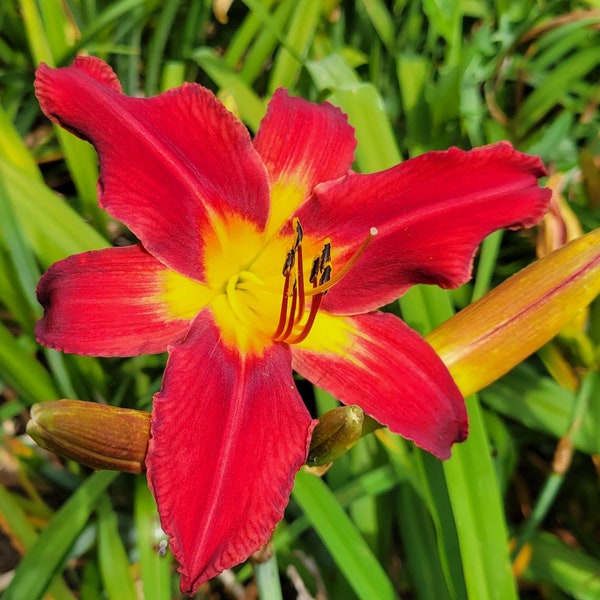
{"x":560,"y":224}
{"x":95,"y":435}
{"x":338,"y":430}
{"x":491,"y":336}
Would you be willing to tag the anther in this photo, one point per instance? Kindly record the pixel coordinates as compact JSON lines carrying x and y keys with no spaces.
{"x":299,"y":233}
{"x":290,"y":259}
{"x":325,"y":256}
{"x":325,"y":276}
{"x":314,"y":272}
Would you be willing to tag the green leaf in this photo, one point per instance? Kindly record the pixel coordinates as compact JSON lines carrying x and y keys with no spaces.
{"x":291,"y":57}
{"x":340,"y":536}
{"x":251,"y":107}
{"x":51,"y":227}
{"x":540,"y":404}
{"x":477,"y":507}
{"x":23,"y":535}
{"x":20,"y":369}
{"x":155,"y":566}
{"x":572,"y":571}
{"x":114,"y":565}
{"x":46,"y":556}
{"x":555,"y":86}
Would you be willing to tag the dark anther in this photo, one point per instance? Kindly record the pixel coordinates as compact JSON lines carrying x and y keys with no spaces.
{"x":299,"y":234}
{"x":289,"y":261}
{"x":314,"y":272}
{"x":325,"y":256}
{"x":325,"y":275}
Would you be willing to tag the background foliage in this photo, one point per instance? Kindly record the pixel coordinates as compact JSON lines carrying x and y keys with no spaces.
{"x":503,"y":518}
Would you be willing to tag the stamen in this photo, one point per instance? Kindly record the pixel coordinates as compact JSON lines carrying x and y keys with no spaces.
{"x":300,"y":281}
{"x":283,"y":309}
{"x":299,"y":233}
{"x":314,"y":309}
{"x":291,"y":321}
{"x":290,"y":259}
{"x":321,"y":280}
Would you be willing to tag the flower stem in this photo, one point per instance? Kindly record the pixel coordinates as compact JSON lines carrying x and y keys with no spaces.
{"x":266,"y":575}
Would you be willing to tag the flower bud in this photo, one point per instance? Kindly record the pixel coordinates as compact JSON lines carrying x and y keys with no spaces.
{"x":560,"y":224}
{"x":491,"y":336}
{"x":96,"y":435}
{"x":338,"y":430}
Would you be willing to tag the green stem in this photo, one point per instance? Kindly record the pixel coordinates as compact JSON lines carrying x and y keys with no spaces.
{"x":266,"y":575}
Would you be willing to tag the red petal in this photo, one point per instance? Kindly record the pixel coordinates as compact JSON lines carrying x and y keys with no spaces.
{"x":431,"y":212}
{"x":391,"y":373}
{"x":168,"y":164}
{"x":107,"y":303}
{"x":302,"y":144}
{"x":229,"y":432}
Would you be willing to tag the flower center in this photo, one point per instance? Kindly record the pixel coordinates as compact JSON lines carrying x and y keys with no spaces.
{"x":244,"y":290}
{"x":295,"y":323}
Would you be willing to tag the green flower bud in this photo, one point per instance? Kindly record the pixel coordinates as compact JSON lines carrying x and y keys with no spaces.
{"x":338,"y":430}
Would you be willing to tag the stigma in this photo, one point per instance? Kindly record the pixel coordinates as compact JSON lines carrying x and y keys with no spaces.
{"x":300,"y":303}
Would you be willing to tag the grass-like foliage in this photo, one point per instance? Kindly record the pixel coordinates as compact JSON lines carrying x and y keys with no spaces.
{"x":514,"y":513}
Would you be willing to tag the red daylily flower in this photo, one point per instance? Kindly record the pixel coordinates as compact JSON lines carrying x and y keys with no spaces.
{"x":218,"y":216}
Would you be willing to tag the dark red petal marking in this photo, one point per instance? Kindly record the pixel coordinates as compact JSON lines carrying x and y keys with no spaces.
{"x":229,"y":433}
{"x":168,"y":164}
{"x":431,"y":212}
{"x":395,"y":376}
{"x":106,"y":303}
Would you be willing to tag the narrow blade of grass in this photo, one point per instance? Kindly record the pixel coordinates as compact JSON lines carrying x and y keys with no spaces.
{"x":46,"y":556}
{"x":301,"y":30}
{"x":155,"y":566}
{"x":51,"y":227}
{"x":23,"y":536}
{"x":339,"y":535}
{"x":555,"y":563}
{"x":114,"y":565}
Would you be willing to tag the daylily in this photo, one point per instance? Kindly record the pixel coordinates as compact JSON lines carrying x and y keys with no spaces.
{"x":256,"y":258}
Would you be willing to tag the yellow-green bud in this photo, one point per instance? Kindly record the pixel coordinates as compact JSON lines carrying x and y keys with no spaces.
{"x":338,"y":430}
